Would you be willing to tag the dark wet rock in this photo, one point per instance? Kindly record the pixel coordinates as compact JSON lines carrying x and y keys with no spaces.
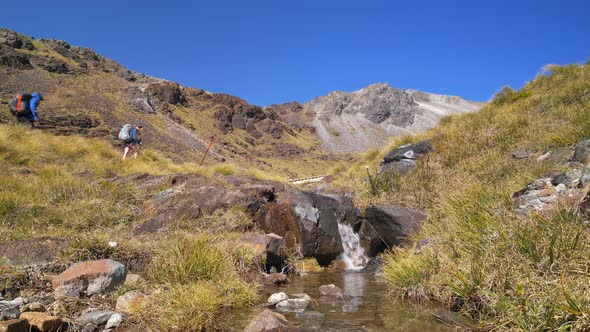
{"x":270,"y":321}
{"x":402,"y":167}
{"x":375,"y":265}
{"x":267,"y":245}
{"x":308,"y":219}
{"x":394,"y":224}
{"x":369,"y":239}
{"x":32,"y":251}
{"x":409,"y":151}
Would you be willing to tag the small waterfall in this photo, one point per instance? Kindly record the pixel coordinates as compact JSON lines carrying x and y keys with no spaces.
{"x":353,"y":255}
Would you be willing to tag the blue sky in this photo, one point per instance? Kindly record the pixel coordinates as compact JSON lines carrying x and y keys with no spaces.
{"x":277,"y":51}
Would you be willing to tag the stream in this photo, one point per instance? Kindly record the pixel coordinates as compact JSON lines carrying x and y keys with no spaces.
{"x":367,"y":306}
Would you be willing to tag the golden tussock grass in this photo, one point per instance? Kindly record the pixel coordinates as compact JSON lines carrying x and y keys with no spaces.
{"x":508,"y":271}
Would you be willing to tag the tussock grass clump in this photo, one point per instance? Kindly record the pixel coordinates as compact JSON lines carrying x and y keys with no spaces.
{"x":201,"y":282}
{"x":507,"y":271}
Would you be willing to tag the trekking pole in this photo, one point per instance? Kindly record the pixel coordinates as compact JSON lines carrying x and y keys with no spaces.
{"x":206,"y":151}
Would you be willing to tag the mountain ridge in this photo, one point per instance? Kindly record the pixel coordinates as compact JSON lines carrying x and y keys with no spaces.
{"x":91,"y":95}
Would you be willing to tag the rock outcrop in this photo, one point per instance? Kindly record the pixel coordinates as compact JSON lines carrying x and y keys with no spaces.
{"x":369,"y":117}
{"x":308,"y":221}
{"x":403,"y":158}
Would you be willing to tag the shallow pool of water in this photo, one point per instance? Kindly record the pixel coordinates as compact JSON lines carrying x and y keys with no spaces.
{"x":366,"y":307}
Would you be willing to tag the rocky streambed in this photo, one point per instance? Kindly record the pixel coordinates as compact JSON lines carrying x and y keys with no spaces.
{"x":363,"y":306}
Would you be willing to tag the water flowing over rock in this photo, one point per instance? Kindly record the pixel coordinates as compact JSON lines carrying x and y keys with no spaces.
{"x":354,"y":255}
{"x":308,"y":222}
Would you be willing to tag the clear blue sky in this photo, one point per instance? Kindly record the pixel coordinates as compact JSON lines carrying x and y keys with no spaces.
{"x":277,"y":51}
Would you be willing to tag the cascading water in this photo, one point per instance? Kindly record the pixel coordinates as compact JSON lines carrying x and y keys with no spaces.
{"x":353,"y":255}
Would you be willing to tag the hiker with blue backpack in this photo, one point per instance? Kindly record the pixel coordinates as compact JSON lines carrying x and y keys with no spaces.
{"x":129,"y":135}
{"x":24,"y":107}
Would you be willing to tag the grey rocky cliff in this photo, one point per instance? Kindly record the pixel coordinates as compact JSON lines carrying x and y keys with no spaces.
{"x":369,"y":117}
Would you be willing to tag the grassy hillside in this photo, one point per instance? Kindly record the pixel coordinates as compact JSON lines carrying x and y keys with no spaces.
{"x":87,"y":94}
{"x":61,"y":187}
{"x":509,"y":271}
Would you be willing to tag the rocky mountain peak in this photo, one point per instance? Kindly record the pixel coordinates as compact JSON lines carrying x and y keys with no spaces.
{"x":367,"y":118}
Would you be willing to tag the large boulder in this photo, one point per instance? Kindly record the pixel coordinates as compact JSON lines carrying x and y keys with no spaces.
{"x":403,"y":158}
{"x":90,"y":277}
{"x":394,"y":224}
{"x":166,"y":92}
{"x":308,"y":221}
{"x":186,"y":197}
{"x":270,"y":321}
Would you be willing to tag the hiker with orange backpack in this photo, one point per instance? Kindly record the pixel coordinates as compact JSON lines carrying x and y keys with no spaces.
{"x":24,"y":107}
